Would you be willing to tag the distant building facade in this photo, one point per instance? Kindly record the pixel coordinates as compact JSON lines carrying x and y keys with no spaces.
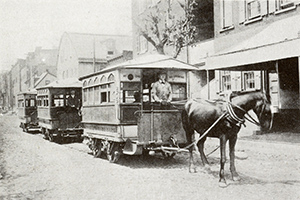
{"x":15,"y":81}
{"x":37,"y":63}
{"x":81,"y":54}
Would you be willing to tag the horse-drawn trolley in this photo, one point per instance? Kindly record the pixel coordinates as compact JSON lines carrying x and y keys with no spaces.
{"x":58,"y":114}
{"x":119,"y":115}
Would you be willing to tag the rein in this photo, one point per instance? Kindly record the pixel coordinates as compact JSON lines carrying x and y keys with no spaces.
{"x":246,"y":116}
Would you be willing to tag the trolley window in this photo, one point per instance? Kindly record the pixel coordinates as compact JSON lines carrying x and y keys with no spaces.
{"x":58,"y":100}
{"x":91,"y":96}
{"x":85,"y":91}
{"x":128,"y":91}
{"x":29,"y":103}
{"x":32,"y":102}
{"x":43,"y":101}
{"x":179,"y":91}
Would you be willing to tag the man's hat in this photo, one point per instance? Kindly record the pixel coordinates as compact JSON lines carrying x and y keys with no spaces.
{"x":162,"y":72}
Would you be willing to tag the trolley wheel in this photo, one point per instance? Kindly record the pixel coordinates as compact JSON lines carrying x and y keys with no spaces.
{"x":80,"y":139}
{"x":24,"y":127}
{"x":50,"y":135}
{"x":97,"y":148}
{"x":114,"y":154}
{"x":168,"y":155}
{"x":58,"y":139}
{"x":43,"y":131}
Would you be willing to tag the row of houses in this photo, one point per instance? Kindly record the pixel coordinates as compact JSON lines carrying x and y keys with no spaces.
{"x":78,"y":54}
{"x":243,"y":45}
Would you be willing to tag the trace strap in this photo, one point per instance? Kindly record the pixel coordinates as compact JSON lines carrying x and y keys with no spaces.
{"x":207,"y":131}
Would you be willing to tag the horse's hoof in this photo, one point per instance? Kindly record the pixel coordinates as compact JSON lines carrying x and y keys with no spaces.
{"x":192,"y":170}
{"x":222,"y":184}
{"x":236,"y":178}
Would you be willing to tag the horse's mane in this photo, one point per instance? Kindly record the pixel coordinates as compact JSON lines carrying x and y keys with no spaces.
{"x":265,"y":96}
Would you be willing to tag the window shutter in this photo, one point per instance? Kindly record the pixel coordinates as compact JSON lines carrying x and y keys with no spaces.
{"x":272,"y":6}
{"x":242,"y":11}
{"x":217,"y":75}
{"x":238,"y":81}
{"x":228,"y":13}
{"x":222,"y":14}
{"x":233,"y":81}
{"x":257,"y":79}
{"x":263,"y":7}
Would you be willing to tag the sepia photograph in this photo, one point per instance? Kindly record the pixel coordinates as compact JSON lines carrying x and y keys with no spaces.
{"x":149,"y":99}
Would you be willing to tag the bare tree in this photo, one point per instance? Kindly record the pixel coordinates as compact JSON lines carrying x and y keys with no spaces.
{"x":162,"y":26}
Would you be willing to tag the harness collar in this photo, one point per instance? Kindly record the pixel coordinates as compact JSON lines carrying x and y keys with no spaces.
{"x":232,"y":117}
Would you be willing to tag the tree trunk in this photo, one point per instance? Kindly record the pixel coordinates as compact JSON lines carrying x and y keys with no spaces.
{"x":160,"y":49}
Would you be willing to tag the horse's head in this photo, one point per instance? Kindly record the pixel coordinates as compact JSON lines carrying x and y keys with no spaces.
{"x":264,"y":113}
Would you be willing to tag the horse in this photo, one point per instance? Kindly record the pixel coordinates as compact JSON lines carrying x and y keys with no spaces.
{"x":223,"y":120}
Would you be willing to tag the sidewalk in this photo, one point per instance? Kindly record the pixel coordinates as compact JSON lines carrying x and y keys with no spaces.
{"x":248,"y":133}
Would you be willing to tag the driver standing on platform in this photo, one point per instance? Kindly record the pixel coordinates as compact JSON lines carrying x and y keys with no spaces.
{"x":162,"y":90}
{"x":73,"y":100}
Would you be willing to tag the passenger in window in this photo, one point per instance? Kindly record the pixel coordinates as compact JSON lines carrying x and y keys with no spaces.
{"x":73,"y":101}
{"x":137,"y":97}
{"x":162,"y":90}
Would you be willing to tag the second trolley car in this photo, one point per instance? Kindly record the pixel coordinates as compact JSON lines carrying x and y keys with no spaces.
{"x":57,"y":118}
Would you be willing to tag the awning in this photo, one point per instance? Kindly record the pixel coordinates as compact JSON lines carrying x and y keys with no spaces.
{"x":279,"y":40}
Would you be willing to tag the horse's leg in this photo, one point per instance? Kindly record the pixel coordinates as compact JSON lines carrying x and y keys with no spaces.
{"x":232,"y":142}
{"x":201,"y":151}
{"x":190,"y":138}
{"x":222,"y":182}
{"x":189,"y":132}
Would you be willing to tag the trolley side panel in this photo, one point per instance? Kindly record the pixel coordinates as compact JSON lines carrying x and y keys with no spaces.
{"x":99,"y":114}
{"x":161,"y":126}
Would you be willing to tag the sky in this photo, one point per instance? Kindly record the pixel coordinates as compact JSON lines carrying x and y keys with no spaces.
{"x":27,"y":24}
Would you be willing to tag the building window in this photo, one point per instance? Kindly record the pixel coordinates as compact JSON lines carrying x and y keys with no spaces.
{"x":249,"y":80}
{"x":226,"y":81}
{"x":226,"y":14}
{"x":283,"y":4}
{"x":253,"y":9}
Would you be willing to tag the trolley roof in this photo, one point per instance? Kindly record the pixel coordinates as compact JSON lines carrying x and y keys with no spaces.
{"x":66,"y":83}
{"x":33,"y":91}
{"x":151,"y":61}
